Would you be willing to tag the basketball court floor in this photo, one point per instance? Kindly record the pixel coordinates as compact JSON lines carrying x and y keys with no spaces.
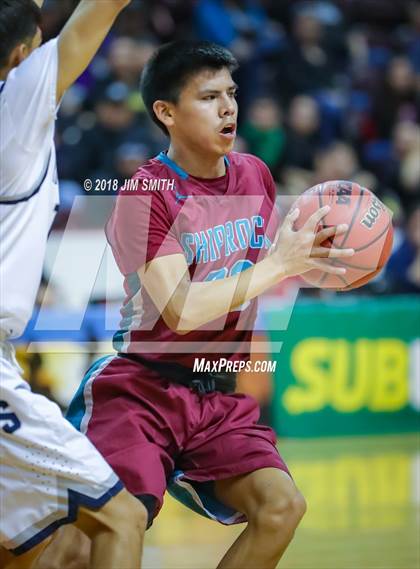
{"x":363,"y":499}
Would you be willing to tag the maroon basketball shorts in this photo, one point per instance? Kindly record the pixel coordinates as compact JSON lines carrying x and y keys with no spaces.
{"x":158,"y":435}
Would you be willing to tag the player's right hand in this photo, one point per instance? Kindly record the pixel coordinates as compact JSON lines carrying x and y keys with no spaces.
{"x":297,"y":251}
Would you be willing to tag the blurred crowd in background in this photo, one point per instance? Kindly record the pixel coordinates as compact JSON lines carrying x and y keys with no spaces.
{"x":327,"y":90}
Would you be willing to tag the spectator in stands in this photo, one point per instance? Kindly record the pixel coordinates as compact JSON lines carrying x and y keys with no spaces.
{"x":170,"y":19}
{"x":302,"y":141}
{"x":410,"y":34}
{"x":403,"y":269}
{"x":240,"y":25}
{"x":263,"y":131}
{"x":243,"y":27}
{"x":306,"y":66}
{"x":128,"y":159}
{"x":339,"y":162}
{"x":116,"y":123}
{"x":396,"y":97}
{"x":302,"y":132}
{"x":402,"y":171}
{"x":124,"y":63}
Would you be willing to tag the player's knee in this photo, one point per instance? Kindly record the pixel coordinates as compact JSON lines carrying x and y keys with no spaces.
{"x":280,"y":514}
{"x":299,"y":506}
{"x":126,"y":514}
{"x":68,"y":548}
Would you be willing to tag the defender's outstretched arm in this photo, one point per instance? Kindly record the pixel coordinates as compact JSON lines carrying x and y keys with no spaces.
{"x":82,"y":36}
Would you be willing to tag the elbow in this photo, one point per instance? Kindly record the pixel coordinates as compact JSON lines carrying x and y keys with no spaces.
{"x":181,"y":332}
{"x":178,"y":321}
{"x":119,"y":5}
{"x":115,"y":5}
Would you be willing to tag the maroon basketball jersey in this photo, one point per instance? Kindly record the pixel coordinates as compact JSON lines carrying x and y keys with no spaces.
{"x":222,"y":226}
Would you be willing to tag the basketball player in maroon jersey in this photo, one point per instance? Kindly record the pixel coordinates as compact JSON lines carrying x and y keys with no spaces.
{"x":194,"y":234}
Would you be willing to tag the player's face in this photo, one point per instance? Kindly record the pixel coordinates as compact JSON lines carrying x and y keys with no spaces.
{"x":206,"y":114}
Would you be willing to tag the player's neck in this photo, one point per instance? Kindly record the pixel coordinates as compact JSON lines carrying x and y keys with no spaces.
{"x":4,"y":72}
{"x":196,"y":164}
{"x":15,"y":59}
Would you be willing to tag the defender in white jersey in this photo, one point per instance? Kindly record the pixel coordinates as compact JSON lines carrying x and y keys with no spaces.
{"x":50,"y":474}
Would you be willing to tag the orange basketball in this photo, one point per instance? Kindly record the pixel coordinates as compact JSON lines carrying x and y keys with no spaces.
{"x":370,"y":231}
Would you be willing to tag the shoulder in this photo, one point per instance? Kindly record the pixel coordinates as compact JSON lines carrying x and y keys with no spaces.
{"x":242,"y":159}
{"x":29,"y":91}
{"x":252,"y":168}
{"x":139,"y":184}
{"x":153,"y":168}
{"x":46,"y":50}
{"x":252,"y":165}
{"x":31,"y":66}
{"x":146,"y":188}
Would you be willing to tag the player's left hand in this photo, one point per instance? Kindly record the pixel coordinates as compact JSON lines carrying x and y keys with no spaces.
{"x":298,"y":251}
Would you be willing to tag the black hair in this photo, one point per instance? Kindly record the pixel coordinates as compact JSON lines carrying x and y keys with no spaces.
{"x":19,"y":20}
{"x":173,"y":64}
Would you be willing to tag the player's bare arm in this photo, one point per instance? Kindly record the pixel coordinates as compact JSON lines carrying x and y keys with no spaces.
{"x":187,"y":305}
{"x":82,"y":36}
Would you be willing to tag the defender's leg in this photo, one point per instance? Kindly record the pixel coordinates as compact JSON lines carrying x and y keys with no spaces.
{"x":24,"y":561}
{"x":116,"y":531}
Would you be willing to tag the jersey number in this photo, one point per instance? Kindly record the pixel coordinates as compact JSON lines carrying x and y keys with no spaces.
{"x":223,"y":273}
{"x":8,"y":421}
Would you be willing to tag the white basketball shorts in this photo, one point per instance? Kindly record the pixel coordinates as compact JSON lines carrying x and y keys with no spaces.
{"x":47,"y":468}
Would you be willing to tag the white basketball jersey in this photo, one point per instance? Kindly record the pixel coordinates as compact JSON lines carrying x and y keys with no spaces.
{"x":28,"y":182}
{"x":47,"y":467}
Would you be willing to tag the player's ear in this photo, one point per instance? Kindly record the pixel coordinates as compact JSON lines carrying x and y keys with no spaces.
{"x":164,"y":112}
{"x":18,"y":54}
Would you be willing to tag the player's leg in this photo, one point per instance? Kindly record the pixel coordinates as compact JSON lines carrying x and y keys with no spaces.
{"x":69,"y":548}
{"x":237,"y":475}
{"x":126,"y":417}
{"x":273,"y":506}
{"x":109,"y":537}
{"x":25,"y":561}
{"x":116,"y":531}
{"x":116,"y":540}
{"x":51,"y":475}
{"x":123,"y":425}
